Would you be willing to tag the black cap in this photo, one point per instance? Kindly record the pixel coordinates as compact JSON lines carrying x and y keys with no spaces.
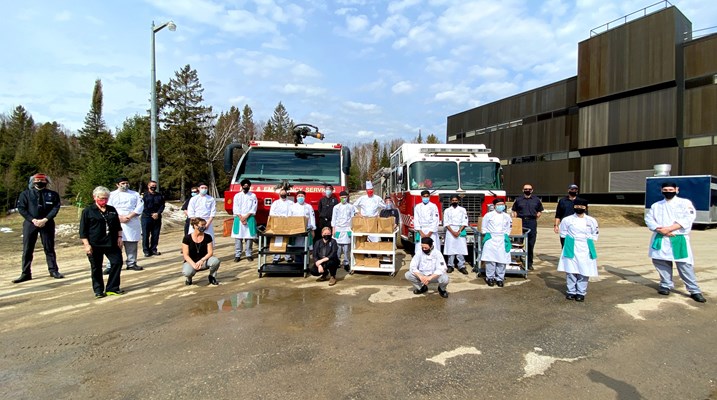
{"x":669,"y":184}
{"x":245,"y":182}
{"x":343,"y":193}
{"x":425,"y":192}
{"x":427,"y":240}
{"x":121,"y":179}
{"x":580,"y":202}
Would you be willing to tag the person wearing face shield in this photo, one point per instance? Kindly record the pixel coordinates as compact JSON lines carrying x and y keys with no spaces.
{"x":280,"y":208}
{"x":565,"y":208}
{"x":151,"y":219}
{"x":495,"y":251}
{"x":579,"y":258}
{"x":341,"y":224}
{"x":129,"y":206}
{"x":38,"y":206}
{"x":244,"y":227}
{"x":326,"y":209}
{"x":455,"y":220}
{"x":426,"y":220}
{"x":528,"y":208}
{"x":198,"y":252}
{"x":427,"y":266}
{"x":670,"y":221}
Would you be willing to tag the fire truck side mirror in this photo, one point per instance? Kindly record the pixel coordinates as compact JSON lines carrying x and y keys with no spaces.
{"x":229,"y":156}
{"x":346,"y":155}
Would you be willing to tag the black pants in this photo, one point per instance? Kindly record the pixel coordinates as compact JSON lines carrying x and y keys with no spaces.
{"x":532,"y":236}
{"x":562,"y":242}
{"x":114,"y":255}
{"x":186,"y":227}
{"x":29,"y":239}
{"x":150,"y":234}
{"x":330,"y":268}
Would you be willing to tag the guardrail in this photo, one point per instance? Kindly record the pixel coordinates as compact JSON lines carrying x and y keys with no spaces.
{"x":629,"y":17}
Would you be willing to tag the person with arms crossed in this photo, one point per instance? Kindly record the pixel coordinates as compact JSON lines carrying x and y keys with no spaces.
{"x":130,"y":206}
{"x":455,"y":220}
{"x":152,"y":219}
{"x":529,"y":208}
{"x":244,"y":227}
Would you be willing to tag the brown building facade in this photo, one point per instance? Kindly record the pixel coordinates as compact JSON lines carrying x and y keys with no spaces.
{"x":645,"y":94}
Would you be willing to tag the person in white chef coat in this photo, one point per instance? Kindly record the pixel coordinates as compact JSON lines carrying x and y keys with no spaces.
{"x":670,"y":220}
{"x":203,"y":206}
{"x":302,"y":209}
{"x":244,"y":227}
{"x":129,"y":206}
{"x":579,"y":257}
{"x":341,"y":225}
{"x":495,"y":251}
{"x":455,"y":221}
{"x":280,"y":208}
{"x":428,"y":266}
{"x":426,"y":220}
{"x":369,"y":205}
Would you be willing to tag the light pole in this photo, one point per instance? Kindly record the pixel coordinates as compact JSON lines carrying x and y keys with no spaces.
{"x":153,"y":114}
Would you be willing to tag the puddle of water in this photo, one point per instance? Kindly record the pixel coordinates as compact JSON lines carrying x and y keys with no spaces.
{"x":232,"y":303}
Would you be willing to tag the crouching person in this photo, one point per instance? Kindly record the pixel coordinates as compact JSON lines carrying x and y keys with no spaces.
{"x":198,"y":252}
{"x":579,"y":258}
{"x":428,"y":266}
{"x":326,"y":259}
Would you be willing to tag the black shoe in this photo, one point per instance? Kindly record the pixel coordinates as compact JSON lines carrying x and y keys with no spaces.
{"x":530,"y":268}
{"x":443,"y":293}
{"x":698,"y":297}
{"x":213,"y":280}
{"x":450,"y":270}
{"x":463,"y":271}
{"x":147,"y":255}
{"x":347,"y":268}
{"x":274,"y":261}
{"x":423,"y":289}
{"x":663,"y":291}
{"x":188,"y":281}
{"x":237,"y":259}
{"x":490,"y":282}
{"x":56,"y":274}
{"x":23,"y":278}
{"x":106,"y":271}
{"x":250,"y":258}
{"x":579,"y":297}
{"x":156,"y":253}
{"x":569,"y":296}
{"x":135,"y":268}
{"x":499,"y":283}
{"x":100,"y":295}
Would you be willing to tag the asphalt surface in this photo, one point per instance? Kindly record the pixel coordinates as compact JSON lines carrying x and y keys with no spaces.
{"x":368,"y":337}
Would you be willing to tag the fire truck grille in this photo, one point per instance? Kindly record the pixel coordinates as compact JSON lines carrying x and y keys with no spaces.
{"x":471,"y":202}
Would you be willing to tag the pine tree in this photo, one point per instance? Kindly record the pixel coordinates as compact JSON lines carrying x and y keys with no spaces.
{"x":281,"y":125}
{"x":385,"y":161}
{"x":432,"y":139}
{"x":375,"y":154}
{"x":95,"y":139}
{"x":268,"y":132}
{"x":247,"y":129}
{"x":133,"y":145}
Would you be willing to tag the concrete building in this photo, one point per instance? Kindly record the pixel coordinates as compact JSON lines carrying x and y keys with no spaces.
{"x":645,"y":94}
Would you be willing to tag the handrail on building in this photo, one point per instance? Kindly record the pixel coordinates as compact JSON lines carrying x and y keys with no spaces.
{"x":690,"y":35}
{"x":629,"y":17}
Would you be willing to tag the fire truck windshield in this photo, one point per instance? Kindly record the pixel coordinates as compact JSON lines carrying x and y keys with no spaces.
{"x":444,"y":175}
{"x":300,"y":165}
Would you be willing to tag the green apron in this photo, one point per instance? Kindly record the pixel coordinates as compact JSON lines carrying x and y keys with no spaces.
{"x":250,"y":222}
{"x":569,"y":247}
{"x":678,"y":243}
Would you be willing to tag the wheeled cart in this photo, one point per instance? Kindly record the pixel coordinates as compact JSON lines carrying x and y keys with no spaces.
{"x":365,"y":256}
{"x":518,"y":253}
{"x":267,"y":266}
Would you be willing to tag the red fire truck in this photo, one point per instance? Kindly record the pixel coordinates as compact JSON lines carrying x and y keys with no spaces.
{"x":444,"y":170}
{"x":270,"y":164}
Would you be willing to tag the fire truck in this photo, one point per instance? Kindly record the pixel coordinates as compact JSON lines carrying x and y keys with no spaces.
{"x":444,"y":170}
{"x":270,"y":165}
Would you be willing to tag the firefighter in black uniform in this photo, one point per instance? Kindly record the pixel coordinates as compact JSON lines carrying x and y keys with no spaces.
{"x":39,"y":206}
{"x":326,"y":209}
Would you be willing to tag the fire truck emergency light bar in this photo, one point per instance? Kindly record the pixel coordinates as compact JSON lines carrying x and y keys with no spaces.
{"x":444,"y":150}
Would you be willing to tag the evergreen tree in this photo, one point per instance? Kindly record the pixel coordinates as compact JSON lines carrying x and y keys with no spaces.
{"x":375,"y":154}
{"x":419,"y":139}
{"x":385,"y":161}
{"x":281,"y":125}
{"x":132,"y":144}
{"x":432,"y":139}
{"x":247,"y":129}
{"x":184,"y":140}
{"x":268,"y":132}
{"x":50,"y":150}
{"x":95,"y":139}
{"x":15,"y":156}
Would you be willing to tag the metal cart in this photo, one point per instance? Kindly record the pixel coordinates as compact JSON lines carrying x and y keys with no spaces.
{"x":270,"y":267}
{"x":518,"y":253}
{"x":384,"y":261}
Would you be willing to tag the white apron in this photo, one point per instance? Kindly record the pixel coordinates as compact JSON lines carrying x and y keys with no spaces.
{"x":341,"y":222}
{"x":425,"y":219}
{"x":666,"y":213}
{"x":498,"y":225}
{"x":455,"y":218}
{"x":581,"y":229}
{"x":125,"y":203}
{"x":244,"y":203}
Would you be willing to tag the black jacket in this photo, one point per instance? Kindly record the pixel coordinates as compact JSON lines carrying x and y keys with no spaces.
{"x":153,"y":203}
{"x":326,"y":206}
{"x":326,"y":249}
{"x":100,"y":229}
{"x":38,"y":204}
{"x":565,"y":208}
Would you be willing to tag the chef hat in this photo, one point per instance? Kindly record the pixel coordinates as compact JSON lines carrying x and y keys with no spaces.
{"x":369,"y":185}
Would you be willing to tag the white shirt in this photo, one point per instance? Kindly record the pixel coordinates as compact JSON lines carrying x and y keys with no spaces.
{"x":341,"y":222}
{"x":126,"y":203}
{"x":498,"y":225}
{"x":202,"y":206}
{"x":369,"y":206}
{"x":665,"y":213}
{"x":428,"y":264}
{"x":280,"y":207}
{"x":425,"y":217}
{"x":581,"y":229}
{"x":244,"y":203}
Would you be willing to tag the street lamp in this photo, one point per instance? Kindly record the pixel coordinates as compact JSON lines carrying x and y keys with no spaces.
{"x":153,"y":115}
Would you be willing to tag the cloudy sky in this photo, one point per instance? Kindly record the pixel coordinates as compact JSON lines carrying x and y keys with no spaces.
{"x":358,"y":69}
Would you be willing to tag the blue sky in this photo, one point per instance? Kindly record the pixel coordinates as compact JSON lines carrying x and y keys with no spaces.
{"x":358,"y":69}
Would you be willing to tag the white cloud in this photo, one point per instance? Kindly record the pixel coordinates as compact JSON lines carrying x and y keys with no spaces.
{"x":305,"y":90}
{"x":398,"y":6}
{"x":356,"y":23}
{"x":356,"y":106}
{"x":239,"y":100}
{"x":63,"y":16}
{"x":403,"y":87}
{"x":441,"y":66}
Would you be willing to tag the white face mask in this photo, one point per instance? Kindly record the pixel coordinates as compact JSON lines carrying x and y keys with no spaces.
{"x":124,"y":187}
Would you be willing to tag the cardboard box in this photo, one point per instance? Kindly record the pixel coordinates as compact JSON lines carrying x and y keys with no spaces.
{"x":278,"y":243}
{"x":371,"y":262}
{"x":360,"y":243}
{"x":384,"y":246}
{"x":285,"y":225}
{"x":364,"y":224}
{"x":385,"y":225}
{"x":359,"y":258}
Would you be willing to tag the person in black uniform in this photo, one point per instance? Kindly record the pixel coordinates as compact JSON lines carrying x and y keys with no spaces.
{"x":39,"y":206}
{"x":528,"y":208}
{"x":565,"y":208}
{"x":326,"y":209}
{"x":326,"y":259}
{"x":101,"y":234}
{"x":151,"y":219}
{"x":390,"y":211}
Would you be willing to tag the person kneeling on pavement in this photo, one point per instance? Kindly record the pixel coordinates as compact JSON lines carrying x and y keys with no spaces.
{"x":428,"y":266}
{"x":326,"y":259}
{"x":198,"y":252}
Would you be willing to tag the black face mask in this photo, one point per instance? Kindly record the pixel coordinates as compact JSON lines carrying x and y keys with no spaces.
{"x":153,"y":188}
{"x":326,"y":237}
{"x":572,"y":193}
{"x":454,"y":205}
{"x":427,"y":251}
{"x":669,"y":195}
{"x":40,"y":185}
{"x":579,"y":210}
{"x":527,"y":192}
{"x":283,"y":196}
{"x":245,"y":189}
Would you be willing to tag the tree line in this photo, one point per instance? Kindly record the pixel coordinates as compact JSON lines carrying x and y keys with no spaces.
{"x":191,"y":139}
